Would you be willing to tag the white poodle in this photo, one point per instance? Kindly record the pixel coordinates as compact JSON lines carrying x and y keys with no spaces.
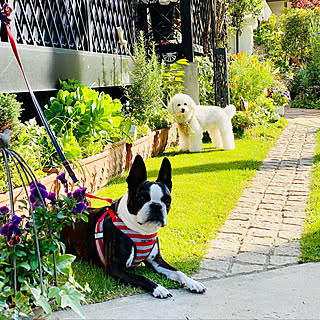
{"x":193,"y":120}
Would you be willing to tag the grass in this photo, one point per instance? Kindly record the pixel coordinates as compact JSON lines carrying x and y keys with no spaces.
{"x":206,"y":187}
{"x":310,"y":240}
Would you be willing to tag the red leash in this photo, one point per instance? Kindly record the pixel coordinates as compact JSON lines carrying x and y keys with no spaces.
{"x":98,"y":198}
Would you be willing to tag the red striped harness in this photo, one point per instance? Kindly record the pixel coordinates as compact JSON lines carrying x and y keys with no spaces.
{"x":143,"y":243}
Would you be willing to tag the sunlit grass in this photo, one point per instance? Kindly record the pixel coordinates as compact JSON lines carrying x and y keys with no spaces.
{"x":206,"y":187}
{"x":310,"y":240}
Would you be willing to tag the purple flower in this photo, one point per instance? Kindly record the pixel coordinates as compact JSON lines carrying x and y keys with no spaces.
{"x":38,"y":192}
{"x":52,"y":198}
{"x":4,"y":210}
{"x":12,"y":231}
{"x":80,"y":194}
{"x":62,"y":178}
{"x":79,"y":207}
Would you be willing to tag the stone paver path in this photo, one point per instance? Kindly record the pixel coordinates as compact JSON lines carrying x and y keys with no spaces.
{"x":263,"y":231}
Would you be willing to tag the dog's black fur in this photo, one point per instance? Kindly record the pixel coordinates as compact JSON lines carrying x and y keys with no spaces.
{"x":144,"y":208}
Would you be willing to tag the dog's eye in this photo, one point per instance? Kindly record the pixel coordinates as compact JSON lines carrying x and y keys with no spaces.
{"x":185,"y":104}
{"x":179,"y":104}
{"x":166,"y":201}
{"x":143,"y":197}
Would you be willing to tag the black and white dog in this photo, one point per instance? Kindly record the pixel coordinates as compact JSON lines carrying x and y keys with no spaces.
{"x":129,"y":230}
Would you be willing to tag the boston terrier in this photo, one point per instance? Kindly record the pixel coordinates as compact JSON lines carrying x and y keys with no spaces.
{"x":123,"y":235}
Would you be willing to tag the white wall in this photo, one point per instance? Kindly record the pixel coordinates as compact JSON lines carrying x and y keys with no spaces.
{"x":246,"y":38}
{"x":276,"y":7}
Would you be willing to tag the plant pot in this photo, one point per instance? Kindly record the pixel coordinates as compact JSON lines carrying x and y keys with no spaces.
{"x":142,"y":146}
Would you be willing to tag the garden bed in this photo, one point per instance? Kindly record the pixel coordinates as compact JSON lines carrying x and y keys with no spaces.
{"x":96,"y":171}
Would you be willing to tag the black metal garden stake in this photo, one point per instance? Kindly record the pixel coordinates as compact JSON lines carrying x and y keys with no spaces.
{"x":25,"y":173}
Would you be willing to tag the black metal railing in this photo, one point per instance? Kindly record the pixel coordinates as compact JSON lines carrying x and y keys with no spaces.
{"x":74,"y":24}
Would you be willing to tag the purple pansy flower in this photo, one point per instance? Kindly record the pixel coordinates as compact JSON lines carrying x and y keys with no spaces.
{"x":62,"y":178}
{"x":37,"y":192}
{"x":80,"y":194}
{"x":79,"y":207}
{"x":52,"y":198}
{"x":4,"y":210}
{"x":12,"y":231}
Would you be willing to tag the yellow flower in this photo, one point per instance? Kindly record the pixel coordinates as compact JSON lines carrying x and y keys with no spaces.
{"x":229,"y":85}
{"x":244,"y":87}
{"x":234,"y":78}
{"x":280,"y":100}
{"x":253,"y":60}
{"x":261,"y":67}
{"x":234,"y":57}
{"x":272,"y":64}
{"x":234,"y":86}
{"x":277,"y":77}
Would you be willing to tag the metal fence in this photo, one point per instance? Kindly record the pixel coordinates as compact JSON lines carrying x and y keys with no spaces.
{"x":74,"y":24}
{"x":90,"y":25}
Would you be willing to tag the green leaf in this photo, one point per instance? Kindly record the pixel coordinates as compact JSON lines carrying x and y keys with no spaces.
{"x":54,"y":292}
{"x":71,"y":298}
{"x":44,"y":304}
{"x":24,"y":265}
{"x":63,"y":262}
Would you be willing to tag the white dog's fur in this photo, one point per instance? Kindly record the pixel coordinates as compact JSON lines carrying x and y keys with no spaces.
{"x":194,"y":119}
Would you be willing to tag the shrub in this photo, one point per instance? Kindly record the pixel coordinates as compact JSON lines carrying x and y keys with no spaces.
{"x":10,"y":110}
{"x":296,"y":37}
{"x":305,"y":89}
{"x":145,"y":95}
{"x":250,"y":76}
{"x":267,"y":39}
{"x":206,"y":80}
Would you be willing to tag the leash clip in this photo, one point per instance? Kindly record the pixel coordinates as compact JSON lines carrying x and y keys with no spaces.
{"x":5,"y":13}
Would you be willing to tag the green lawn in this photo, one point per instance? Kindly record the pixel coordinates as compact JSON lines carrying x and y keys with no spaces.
{"x":310,"y":242}
{"x":206,"y":187}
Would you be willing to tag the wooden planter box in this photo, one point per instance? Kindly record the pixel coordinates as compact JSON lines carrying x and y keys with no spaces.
{"x":160,"y":141}
{"x":96,"y":171}
{"x":142,"y":146}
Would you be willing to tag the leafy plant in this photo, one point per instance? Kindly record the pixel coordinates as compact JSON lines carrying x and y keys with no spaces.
{"x":69,"y":84}
{"x":10,"y":110}
{"x":250,"y":76}
{"x":85,"y":120}
{"x":206,"y":80}
{"x":295,"y":33}
{"x":145,"y":106}
{"x":267,"y":38}
{"x":173,"y":79}
{"x":26,"y":141}
{"x":304,"y":88}
{"x":17,"y":241}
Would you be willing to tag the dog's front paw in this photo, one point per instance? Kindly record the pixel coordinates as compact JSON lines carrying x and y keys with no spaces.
{"x":195,"y":286}
{"x":161,"y":292}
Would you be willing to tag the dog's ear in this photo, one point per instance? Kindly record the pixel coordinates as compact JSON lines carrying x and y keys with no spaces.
{"x":138,"y":172}
{"x":165,"y":173}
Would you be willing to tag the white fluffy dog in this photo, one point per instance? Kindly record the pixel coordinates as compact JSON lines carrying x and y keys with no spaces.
{"x":193,"y":120}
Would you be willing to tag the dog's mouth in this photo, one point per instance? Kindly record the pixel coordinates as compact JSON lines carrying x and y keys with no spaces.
{"x":157,"y":223}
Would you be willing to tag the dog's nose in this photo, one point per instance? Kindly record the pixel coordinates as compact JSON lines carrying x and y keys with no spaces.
{"x":183,"y":110}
